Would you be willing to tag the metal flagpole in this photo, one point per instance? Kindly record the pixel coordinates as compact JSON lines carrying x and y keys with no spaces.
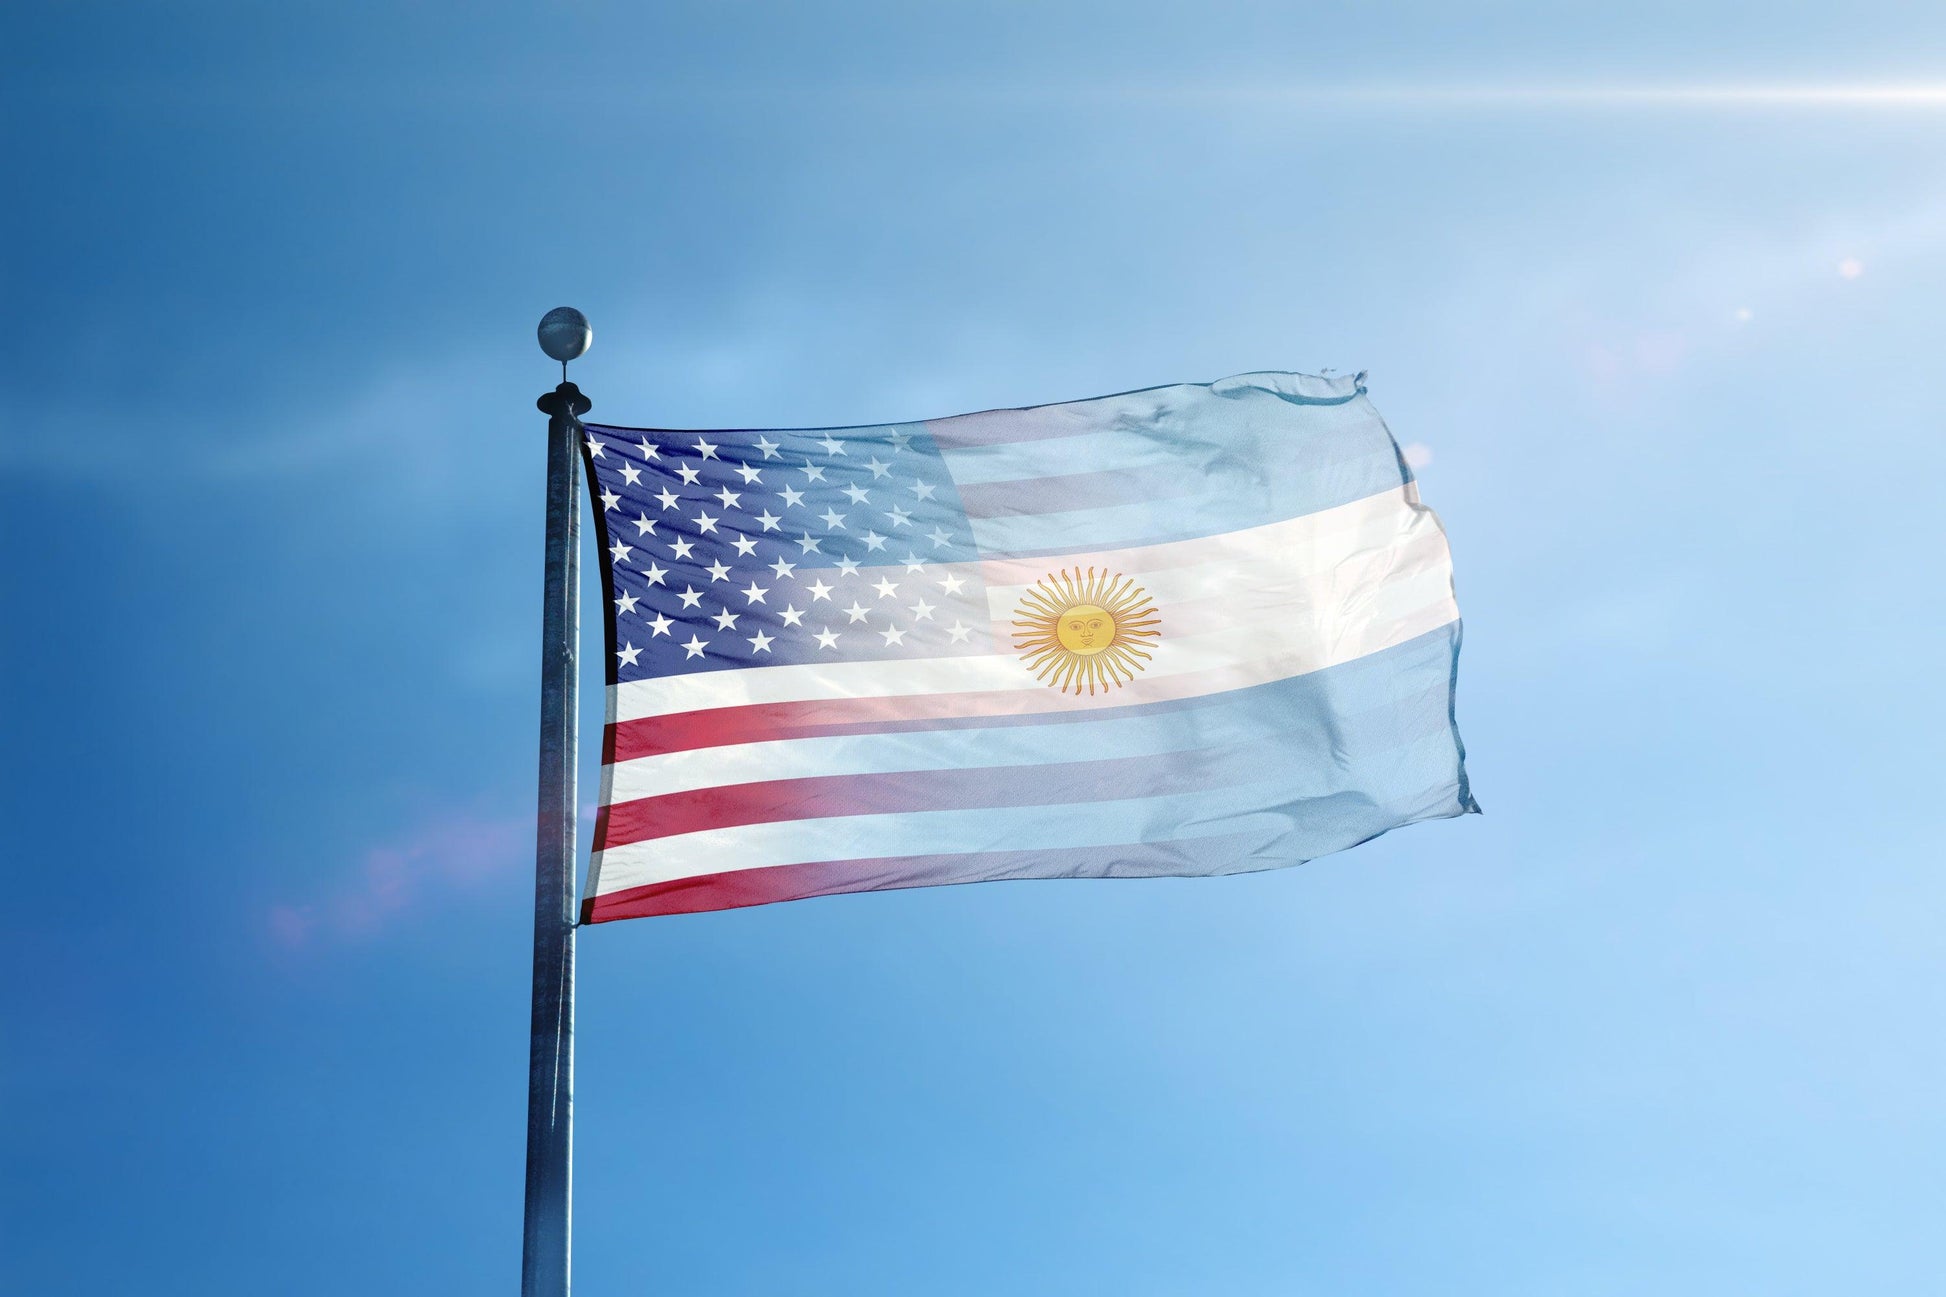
{"x":544,"y":1260}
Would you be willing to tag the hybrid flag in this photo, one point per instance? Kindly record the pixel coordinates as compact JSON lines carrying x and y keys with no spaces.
{"x":1201,"y":629}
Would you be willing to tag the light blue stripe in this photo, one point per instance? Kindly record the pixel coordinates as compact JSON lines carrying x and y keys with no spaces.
{"x":1288,"y":812}
{"x":1199,"y":460}
{"x":1336,"y":757}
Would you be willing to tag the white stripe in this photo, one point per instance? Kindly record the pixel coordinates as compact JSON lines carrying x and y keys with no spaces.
{"x":1306,"y":543}
{"x":683,"y":771}
{"x":1050,"y":737}
{"x":1349,"y":571}
{"x":1256,"y":582}
{"x":1232,"y":658}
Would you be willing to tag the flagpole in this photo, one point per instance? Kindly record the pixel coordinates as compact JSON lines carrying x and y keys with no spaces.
{"x":545,"y":1250}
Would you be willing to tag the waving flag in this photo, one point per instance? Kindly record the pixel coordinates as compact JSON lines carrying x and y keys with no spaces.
{"x":1200,"y":629}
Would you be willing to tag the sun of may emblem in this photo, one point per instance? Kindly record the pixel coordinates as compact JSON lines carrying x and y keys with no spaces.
{"x":1091,"y":630}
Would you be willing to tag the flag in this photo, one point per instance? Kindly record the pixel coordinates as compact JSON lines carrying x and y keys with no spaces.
{"x":1200,"y":629}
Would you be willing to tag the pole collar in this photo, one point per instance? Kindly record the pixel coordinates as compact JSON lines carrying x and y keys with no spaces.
{"x":565,"y":399}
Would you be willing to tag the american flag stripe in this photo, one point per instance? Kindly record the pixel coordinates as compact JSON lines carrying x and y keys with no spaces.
{"x":921,"y":770}
{"x":822,"y":672}
{"x":980,"y":743}
{"x":767,"y":884}
{"x":1399,"y":746}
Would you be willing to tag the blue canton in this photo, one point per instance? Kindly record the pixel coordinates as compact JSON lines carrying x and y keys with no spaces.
{"x":743,"y":549}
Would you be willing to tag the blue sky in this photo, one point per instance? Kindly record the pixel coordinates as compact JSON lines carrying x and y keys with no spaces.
{"x":1662,"y":1020}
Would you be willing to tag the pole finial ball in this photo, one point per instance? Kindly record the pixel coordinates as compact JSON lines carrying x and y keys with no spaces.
{"x":565,"y":334}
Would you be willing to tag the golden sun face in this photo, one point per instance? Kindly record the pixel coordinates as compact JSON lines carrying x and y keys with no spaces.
{"x":1093,"y":630}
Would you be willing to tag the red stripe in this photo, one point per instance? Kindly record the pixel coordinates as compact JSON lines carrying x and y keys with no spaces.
{"x":898,"y":792}
{"x":771,"y":801}
{"x":737,"y":888}
{"x":1068,"y":419}
{"x":650,"y":736}
{"x":1099,"y":489}
{"x":722,"y":892}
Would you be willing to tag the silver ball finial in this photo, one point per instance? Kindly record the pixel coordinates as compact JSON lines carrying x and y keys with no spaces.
{"x":565,"y":334}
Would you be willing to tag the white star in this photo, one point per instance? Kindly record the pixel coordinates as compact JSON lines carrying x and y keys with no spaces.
{"x":783,"y":568}
{"x":660,"y":626}
{"x":901,"y":439}
{"x":682,"y":547}
{"x":625,"y":604}
{"x":609,"y":499}
{"x":655,"y":574}
{"x":922,"y":611}
{"x":704,"y":522}
{"x":793,"y":497}
{"x":857,"y":611}
{"x":594,"y":449}
{"x":791,"y":615}
{"x":760,"y":642}
{"x":873,"y":540}
{"x":900,"y":517}
{"x":885,"y":588}
{"x":628,"y":653}
{"x":729,"y":497}
{"x":878,"y":469}
{"x":819,"y":590}
{"x":725,"y":620}
{"x":938,"y":537}
{"x":669,"y":499}
{"x":812,"y":473}
{"x":912,"y":563}
{"x":857,"y":493}
{"x":951,"y":583}
{"x":827,"y":639}
{"x":649,"y":451}
{"x":644,"y":525}
{"x":748,"y":474}
{"x":690,"y":597}
{"x":833,"y":519}
{"x":620,"y":551}
{"x":959,"y":632}
{"x":768,"y":447}
{"x":923,"y":490}
{"x":688,"y":473}
{"x":745,"y":546}
{"x":705,"y":448}
{"x":893,"y":635}
{"x":847,"y":567}
{"x":755,"y":593}
{"x":807,"y":543}
{"x":695,"y":646}
{"x":631,"y":474}
{"x":719,"y":571}
{"x":832,"y":446}
{"x":769,"y":520}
